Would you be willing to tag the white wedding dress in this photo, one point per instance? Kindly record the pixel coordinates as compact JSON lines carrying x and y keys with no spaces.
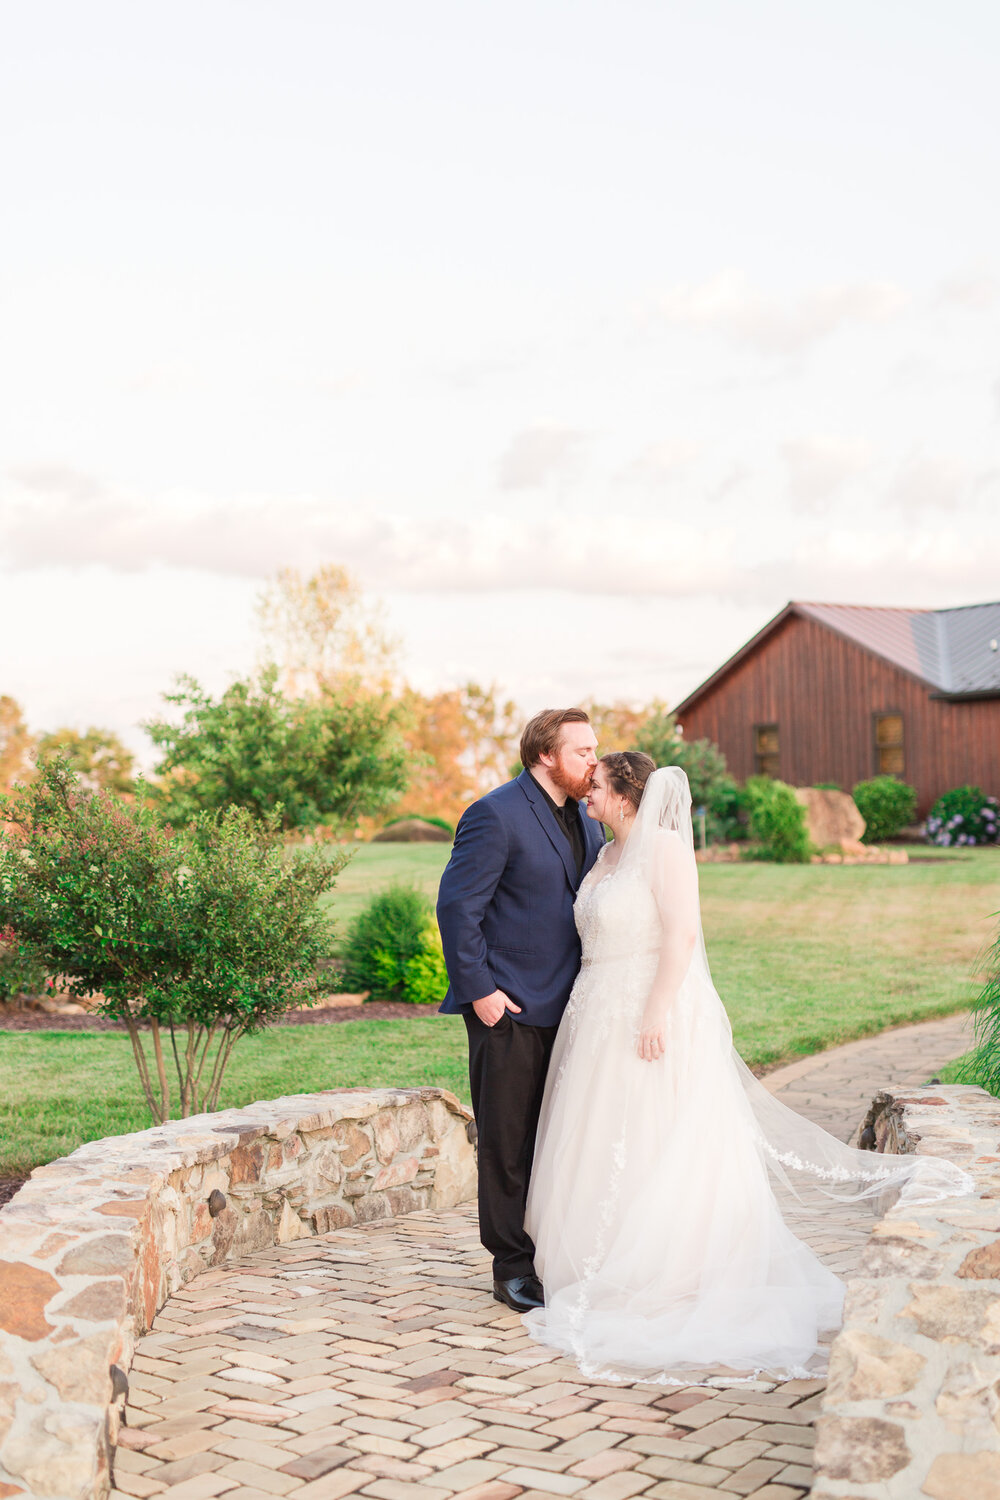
{"x":654,"y":1193}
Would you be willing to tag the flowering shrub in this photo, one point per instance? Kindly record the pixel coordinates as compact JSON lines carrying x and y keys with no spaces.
{"x":202,"y":935}
{"x":964,"y":816}
{"x":21,"y":971}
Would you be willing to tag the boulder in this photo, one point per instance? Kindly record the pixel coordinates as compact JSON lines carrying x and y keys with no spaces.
{"x":831,"y":817}
{"x":412,"y":831}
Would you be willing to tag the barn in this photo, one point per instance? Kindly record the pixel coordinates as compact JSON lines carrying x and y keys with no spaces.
{"x":841,"y":692}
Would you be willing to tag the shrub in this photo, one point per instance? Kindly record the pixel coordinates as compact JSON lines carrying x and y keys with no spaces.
{"x":964,"y":816}
{"x":393,"y":949}
{"x":704,"y":764}
{"x":886,"y":804}
{"x":21,"y":970}
{"x":777,"y":821}
{"x":204,"y":935}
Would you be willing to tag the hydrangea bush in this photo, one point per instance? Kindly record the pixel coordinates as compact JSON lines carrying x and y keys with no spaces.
{"x":964,"y":817}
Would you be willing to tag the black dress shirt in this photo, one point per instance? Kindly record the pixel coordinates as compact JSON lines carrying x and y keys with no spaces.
{"x":568,"y":818}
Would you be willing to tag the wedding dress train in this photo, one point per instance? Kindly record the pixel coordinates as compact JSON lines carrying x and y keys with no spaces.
{"x":654,"y":1196}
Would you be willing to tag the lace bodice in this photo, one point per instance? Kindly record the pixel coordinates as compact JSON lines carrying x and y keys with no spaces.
{"x":616,"y":914}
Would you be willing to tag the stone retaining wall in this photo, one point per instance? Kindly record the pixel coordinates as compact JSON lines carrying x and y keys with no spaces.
{"x":912,"y":1407}
{"x":94,"y":1244}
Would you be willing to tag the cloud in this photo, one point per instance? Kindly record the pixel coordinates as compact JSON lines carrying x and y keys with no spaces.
{"x":473,"y":374}
{"x":72,"y":522}
{"x":819,"y":466}
{"x":536,"y":454}
{"x":915,"y":568}
{"x":70,"y":485}
{"x":926,"y":482}
{"x":729,"y":304}
{"x":662,"y":463}
{"x":730,"y":483}
{"x":975,"y":290}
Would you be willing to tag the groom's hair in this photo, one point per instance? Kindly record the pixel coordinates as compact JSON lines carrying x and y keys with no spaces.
{"x":542,"y":733}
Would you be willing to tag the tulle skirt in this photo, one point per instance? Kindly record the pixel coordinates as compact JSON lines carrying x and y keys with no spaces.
{"x":659,"y":1238}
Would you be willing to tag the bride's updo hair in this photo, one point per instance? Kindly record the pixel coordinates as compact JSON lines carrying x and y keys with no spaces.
{"x":628,"y":771}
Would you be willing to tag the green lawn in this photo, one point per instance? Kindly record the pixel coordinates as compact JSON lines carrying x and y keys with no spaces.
{"x":373,"y":866}
{"x":58,"y":1089}
{"x":805,"y":957}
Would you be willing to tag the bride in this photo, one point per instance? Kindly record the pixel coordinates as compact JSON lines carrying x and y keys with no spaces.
{"x":654,"y":1195}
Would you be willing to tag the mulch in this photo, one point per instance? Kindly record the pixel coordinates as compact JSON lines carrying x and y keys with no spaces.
{"x":372,"y":1010}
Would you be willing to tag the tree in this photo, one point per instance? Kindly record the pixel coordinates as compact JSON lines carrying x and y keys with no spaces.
{"x":704,"y":764}
{"x":618,"y":724}
{"x":204,"y":935}
{"x":321,"y":634}
{"x":459,"y":744}
{"x":16,"y":744}
{"x":327,"y":759}
{"x":440,"y":784}
{"x":98,"y":757}
{"x":490,"y":726}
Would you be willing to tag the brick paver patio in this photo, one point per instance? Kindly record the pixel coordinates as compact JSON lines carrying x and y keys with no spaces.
{"x":373,"y":1361}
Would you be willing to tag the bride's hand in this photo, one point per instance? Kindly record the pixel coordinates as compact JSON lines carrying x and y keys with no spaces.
{"x":652,"y":1043}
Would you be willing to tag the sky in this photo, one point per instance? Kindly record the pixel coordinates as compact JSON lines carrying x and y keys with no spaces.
{"x":586,"y":335}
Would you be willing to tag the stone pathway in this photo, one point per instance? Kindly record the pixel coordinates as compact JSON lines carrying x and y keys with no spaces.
{"x":373,"y":1361}
{"x":835,"y":1088}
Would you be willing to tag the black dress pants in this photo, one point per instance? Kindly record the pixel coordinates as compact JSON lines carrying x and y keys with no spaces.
{"x":507,"y":1067}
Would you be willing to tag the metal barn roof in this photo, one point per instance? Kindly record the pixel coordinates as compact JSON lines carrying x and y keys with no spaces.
{"x":948,"y":648}
{"x":955,"y":651}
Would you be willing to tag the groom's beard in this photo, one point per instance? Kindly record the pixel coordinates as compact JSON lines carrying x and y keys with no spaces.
{"x":576,"y":787}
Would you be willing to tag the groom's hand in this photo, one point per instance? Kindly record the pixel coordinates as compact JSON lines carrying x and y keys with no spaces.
{"x":491,"y":1007}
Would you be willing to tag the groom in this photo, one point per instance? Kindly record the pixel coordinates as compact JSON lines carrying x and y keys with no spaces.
{"x":505,"y":909}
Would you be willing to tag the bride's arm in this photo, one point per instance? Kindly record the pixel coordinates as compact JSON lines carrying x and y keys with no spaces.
{"x":675,"y":890}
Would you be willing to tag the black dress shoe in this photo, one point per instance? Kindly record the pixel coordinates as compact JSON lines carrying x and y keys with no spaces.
{"x":521,"y":1293}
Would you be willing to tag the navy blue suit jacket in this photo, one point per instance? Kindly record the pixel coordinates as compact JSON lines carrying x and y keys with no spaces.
{"x":505,"y":904}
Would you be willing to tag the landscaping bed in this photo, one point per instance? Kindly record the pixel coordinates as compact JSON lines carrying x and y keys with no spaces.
{"x":805,"y":957}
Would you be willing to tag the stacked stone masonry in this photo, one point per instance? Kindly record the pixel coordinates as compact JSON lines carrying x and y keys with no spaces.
{"x":912,"y":1406}
{"x":94,"y":1244}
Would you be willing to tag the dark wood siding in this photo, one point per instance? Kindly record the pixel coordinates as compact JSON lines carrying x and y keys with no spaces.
{"x":823,"y":692}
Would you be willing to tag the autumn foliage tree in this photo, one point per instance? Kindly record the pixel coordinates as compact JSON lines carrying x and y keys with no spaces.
{"x":324,"y":638}
{"x":16,"y":743}
{"x":460,"y":743}
{"x":320,"y":633}
{"x":617,"y":725}
{"x":98,"y":757}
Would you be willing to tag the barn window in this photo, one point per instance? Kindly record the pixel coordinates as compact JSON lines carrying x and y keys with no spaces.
{"x":889,"y":759}
{"x":765,"y":749}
